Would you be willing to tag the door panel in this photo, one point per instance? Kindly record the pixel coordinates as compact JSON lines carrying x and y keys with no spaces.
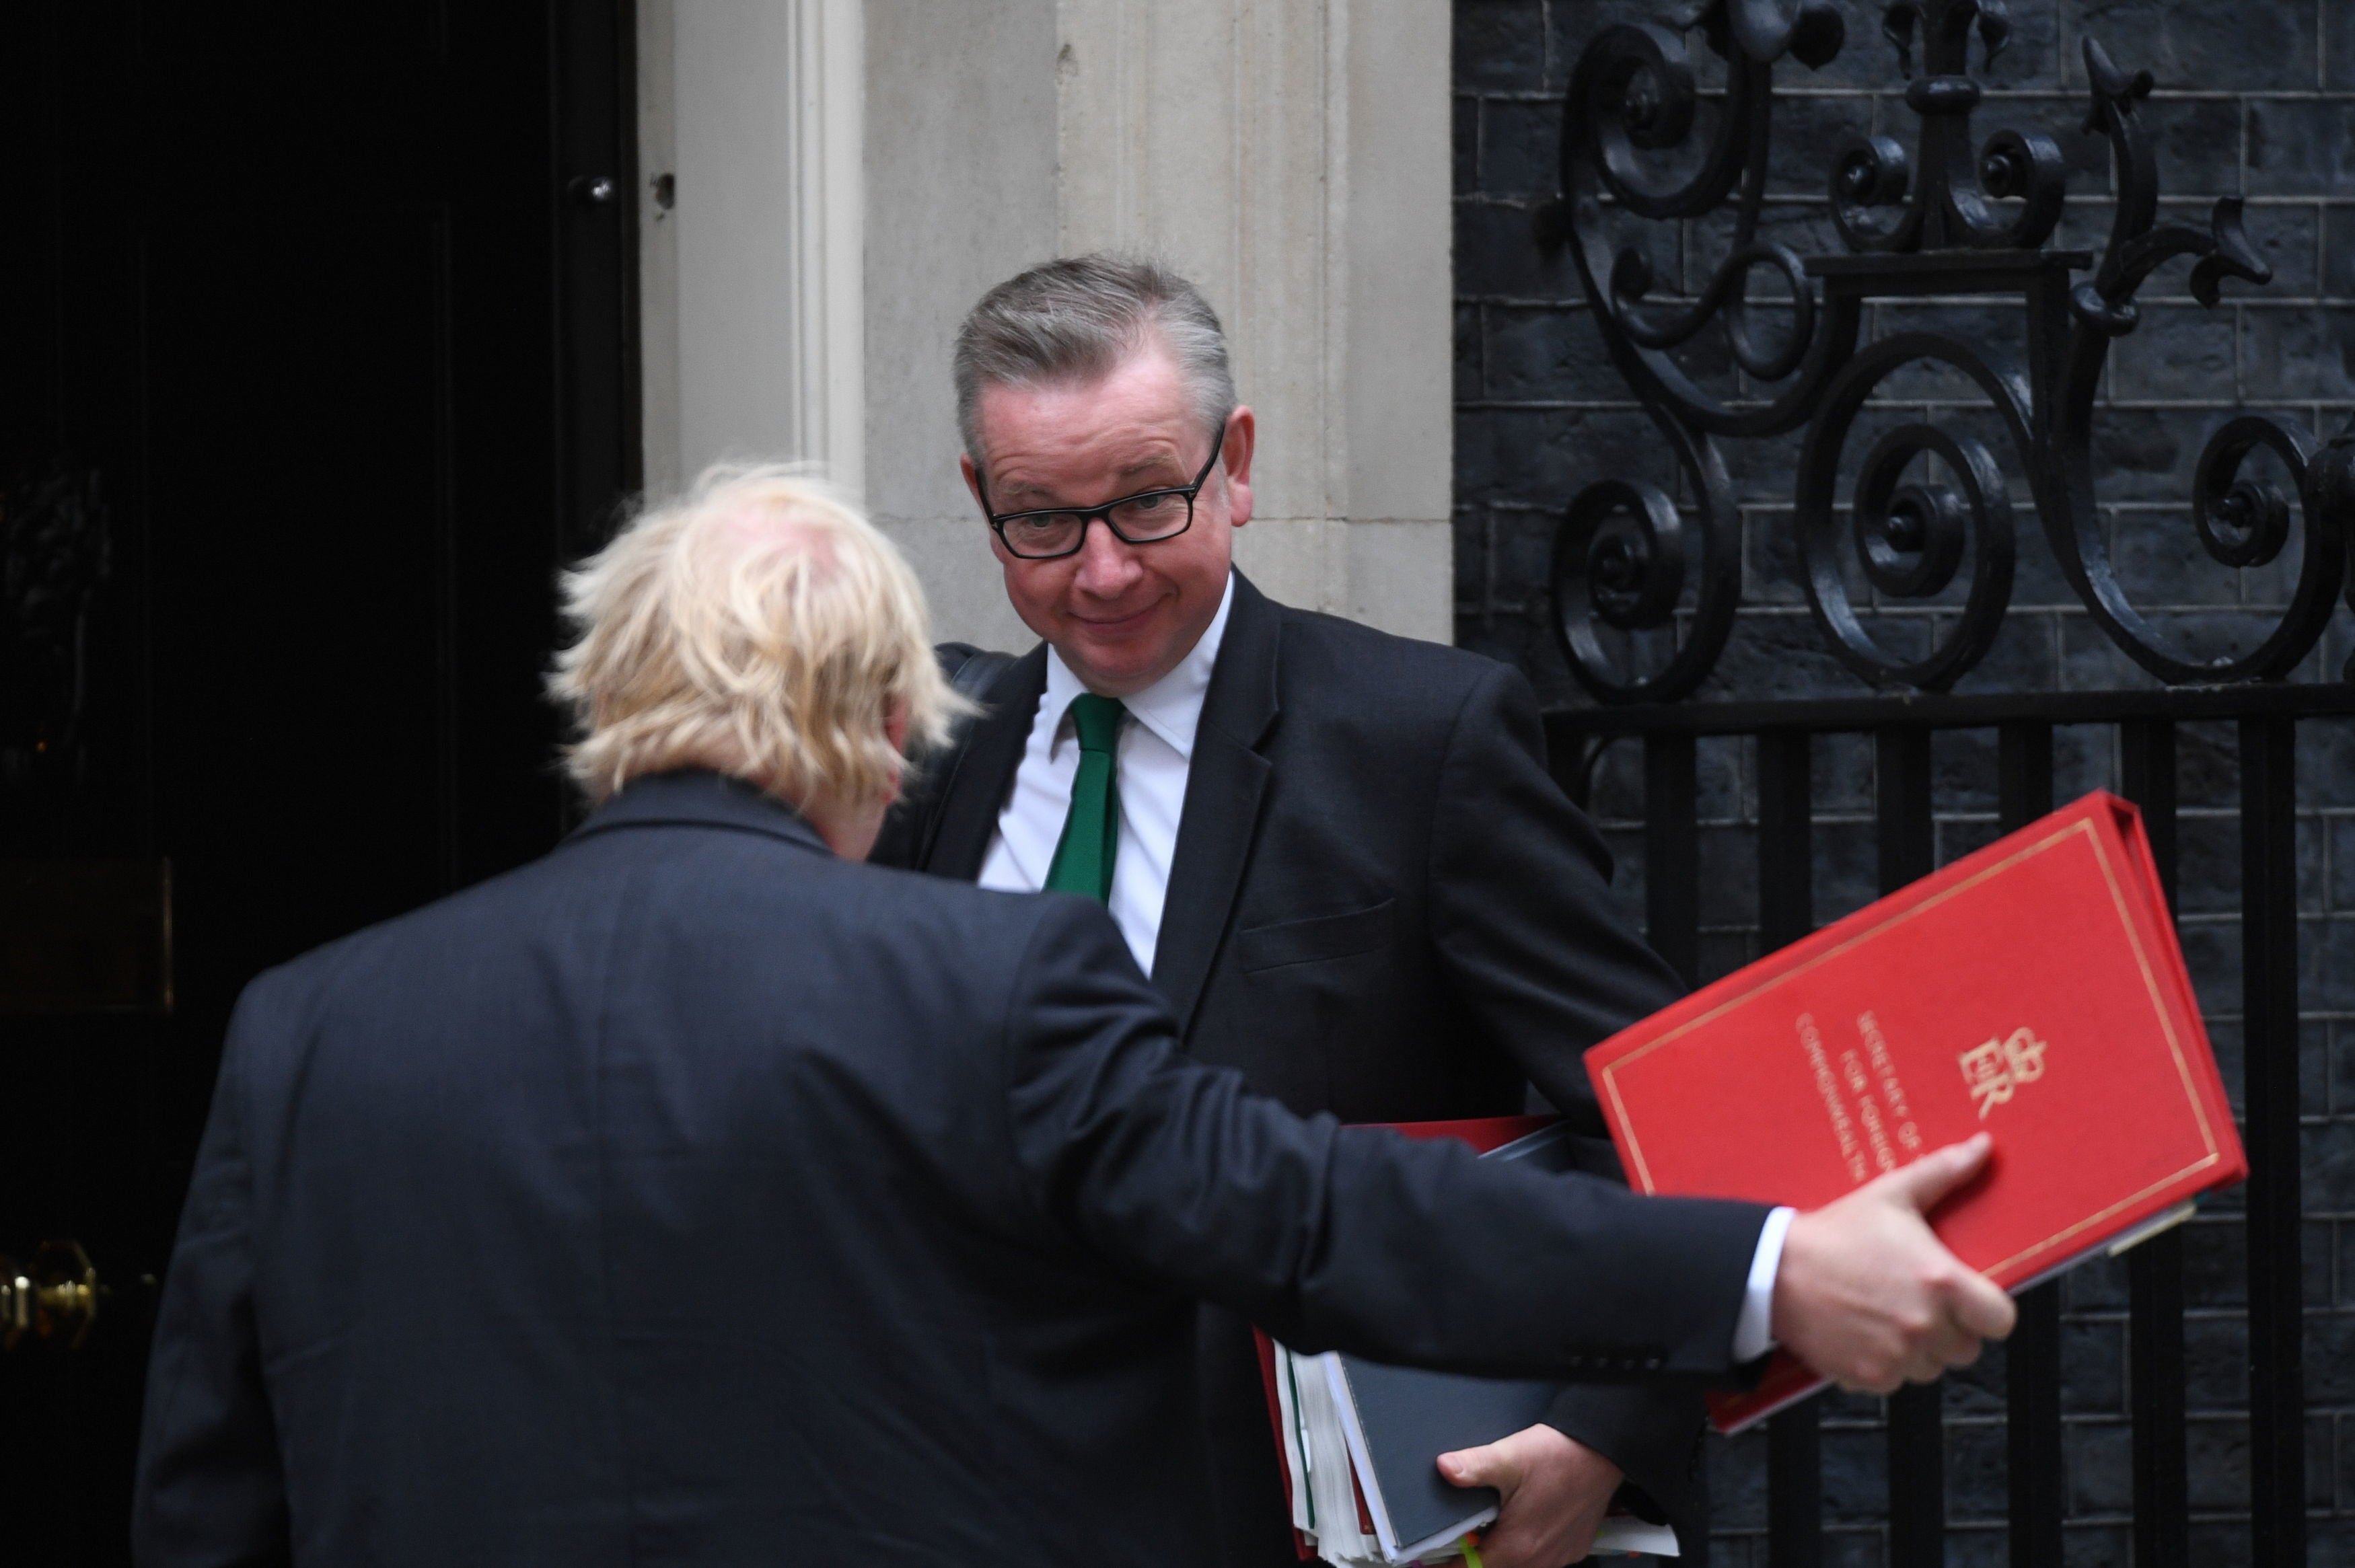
{"x":302,"y":710}
{"x":298,"y":293}
{"x":171,"y":32}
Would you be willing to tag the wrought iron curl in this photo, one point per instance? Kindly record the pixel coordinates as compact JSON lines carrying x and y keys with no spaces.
{"x":2331,"y":492}
{"x":1624,"y":555}
{"x":1910,"y":537}
{"x":1623,"y":558}
{"x":1633,"y":93}
{"x":2246,"y":522}
{"x":1919,"y":221}
{"x":1639,"y":97}
{"x":2239,"y":522}
{"x":1631,"y":280}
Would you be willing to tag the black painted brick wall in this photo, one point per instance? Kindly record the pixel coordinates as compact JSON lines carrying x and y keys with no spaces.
{"x":2256,"y":98}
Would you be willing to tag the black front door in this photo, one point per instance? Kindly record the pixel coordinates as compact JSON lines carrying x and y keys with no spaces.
{"x":315,"y":363}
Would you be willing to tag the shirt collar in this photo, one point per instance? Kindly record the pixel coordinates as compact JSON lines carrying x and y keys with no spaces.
{"x":1172,"y":706}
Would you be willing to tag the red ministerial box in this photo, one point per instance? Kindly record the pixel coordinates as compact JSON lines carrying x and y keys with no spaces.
{"x":2033,"y":989}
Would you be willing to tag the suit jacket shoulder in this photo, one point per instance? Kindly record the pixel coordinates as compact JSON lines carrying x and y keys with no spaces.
{"x":1349,"y":692}
{"x":1356,"y":650}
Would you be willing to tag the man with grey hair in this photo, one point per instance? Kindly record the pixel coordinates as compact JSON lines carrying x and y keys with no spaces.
{"x":698,"y":1195}
{"x":1338,"y":853}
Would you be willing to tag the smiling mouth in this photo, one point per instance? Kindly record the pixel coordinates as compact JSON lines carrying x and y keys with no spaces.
{"x":1113,"y":623}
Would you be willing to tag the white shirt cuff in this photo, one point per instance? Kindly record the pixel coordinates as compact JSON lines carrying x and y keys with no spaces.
{"x":1753,"y":1331}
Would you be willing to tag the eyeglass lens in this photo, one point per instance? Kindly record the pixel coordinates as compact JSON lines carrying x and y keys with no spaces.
{"x":1140,"y":520}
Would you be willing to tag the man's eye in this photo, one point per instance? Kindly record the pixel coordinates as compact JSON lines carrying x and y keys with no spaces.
{"x":1150,"y":502}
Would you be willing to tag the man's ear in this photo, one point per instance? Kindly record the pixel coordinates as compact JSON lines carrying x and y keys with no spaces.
{"x":1235,"y":457}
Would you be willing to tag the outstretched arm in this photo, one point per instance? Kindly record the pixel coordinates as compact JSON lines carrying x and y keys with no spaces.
{"x":1355,"y":1239}
{"x":1360,"y":1239}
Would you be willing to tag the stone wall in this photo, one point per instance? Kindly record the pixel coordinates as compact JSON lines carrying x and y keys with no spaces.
{"x":2255,"y":99}
{"x":847,"y":176}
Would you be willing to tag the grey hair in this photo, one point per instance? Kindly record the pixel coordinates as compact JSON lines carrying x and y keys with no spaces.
{"x":1076,"y":318}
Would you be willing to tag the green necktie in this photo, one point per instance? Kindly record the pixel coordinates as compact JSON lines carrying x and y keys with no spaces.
{"x":1092,"y":831}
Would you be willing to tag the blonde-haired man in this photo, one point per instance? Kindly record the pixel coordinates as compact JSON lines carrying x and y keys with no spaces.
{"x":689,"y":622}
{"x":698,"y":1195}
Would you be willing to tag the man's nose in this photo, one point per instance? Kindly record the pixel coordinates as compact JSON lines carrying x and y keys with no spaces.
{"x":1107,"y":566}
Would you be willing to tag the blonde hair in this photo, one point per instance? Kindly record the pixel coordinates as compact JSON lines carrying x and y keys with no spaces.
{"x":757,"y":625}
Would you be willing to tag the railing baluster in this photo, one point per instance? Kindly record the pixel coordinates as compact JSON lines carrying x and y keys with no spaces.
{"x":1672,"y":906}
{"x":2270,"y":1045}
{"x":1795,"y":1484}
{"x":2162,"y":1523}
{"x":1672,"y":853}
{"x":2032,"y":1356}
{"x":1917,"y":1460}
{"x":2267,"y":716}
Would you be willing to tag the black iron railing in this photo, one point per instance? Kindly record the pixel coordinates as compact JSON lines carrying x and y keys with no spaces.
{"x":2146,"y":725}
{"x":1645,"y":585}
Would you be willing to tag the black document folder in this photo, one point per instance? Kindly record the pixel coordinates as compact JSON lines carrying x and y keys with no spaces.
{"x":1408,"y":1417}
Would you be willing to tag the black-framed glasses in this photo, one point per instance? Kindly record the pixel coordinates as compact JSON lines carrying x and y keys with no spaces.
{"x":1146,"y":518}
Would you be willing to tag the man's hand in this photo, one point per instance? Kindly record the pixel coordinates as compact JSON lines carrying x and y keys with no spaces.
{"x":1868,"y":1296}
{"x":1554,"y":1492}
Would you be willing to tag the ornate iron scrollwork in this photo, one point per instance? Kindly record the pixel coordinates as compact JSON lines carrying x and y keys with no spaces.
{"x":1929,"y":220}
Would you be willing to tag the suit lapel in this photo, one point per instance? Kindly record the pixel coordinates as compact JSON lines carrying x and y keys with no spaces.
{"x":975,"y":790}
{"x":1224,"y":786}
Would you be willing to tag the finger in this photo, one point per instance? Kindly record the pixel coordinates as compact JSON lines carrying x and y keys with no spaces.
{"x":1981,"y":1306}
{"x":1504,"y":1548}
{"x":1878,"y":1382}
{"x":1942,"y":1349}
{"x":1925,"y":1369}
{"x":1929,"y":1179}
{"x":1517,"y":1542}
{"x":1487,"y":1466}
{"x":1951,"y":1346}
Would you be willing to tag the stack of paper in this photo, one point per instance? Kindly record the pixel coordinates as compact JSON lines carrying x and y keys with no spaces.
{"x":1352,"y":1525}
{"x":1360,"y":1441}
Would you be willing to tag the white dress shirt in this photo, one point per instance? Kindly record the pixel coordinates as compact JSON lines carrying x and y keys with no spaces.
{"x":1753,"y":1331}
{"x":1154,"y":757}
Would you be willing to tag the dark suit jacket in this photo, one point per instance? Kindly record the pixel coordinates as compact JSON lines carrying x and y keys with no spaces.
{"x":1380,"y":905}
{"x":693,"y":1196}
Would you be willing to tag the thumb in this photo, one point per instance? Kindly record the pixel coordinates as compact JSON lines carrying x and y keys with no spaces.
{"x":1487,"y":1466}
{"x":1929,"y":1179}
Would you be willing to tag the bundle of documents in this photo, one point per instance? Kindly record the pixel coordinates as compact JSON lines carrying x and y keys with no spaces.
{"x":1344,"y":1518}
{"x":2034,"y":990}
{"x":1360,"y":1441}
